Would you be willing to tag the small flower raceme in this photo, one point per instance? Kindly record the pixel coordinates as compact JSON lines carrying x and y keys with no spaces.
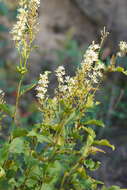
{"x":32,"y":17}
{"x":70,"y":83}
{"x":42,"y":87}
{"x":26,"y":22}
{"x":60,"y":72}
{"x":20,"y":27}
{"x":66,"y":83}
{"x":24,"y":31}
{"x":91,"y":55}
{"x":91,"y":64}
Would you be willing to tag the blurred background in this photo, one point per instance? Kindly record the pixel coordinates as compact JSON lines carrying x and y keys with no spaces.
{"x":66,"y":29}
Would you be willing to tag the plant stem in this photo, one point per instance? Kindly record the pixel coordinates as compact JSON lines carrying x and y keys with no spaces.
{"x":72,"y":170}
{"x":63,"y":180}
{"x":17,"y":98}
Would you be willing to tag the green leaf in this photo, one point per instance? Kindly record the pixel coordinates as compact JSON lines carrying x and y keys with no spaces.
{"x":111,"y":188}
{"x":31,"y":183}
{"x":119,"y":69}
{"x":91,"y":164}
{"x":19,"y":132}
{"x":17,"y":146}
{"x":85,"y":149}
{"x":40,"y":138}
{"x":55,"y":168}
{"x":99,"y":182}
{"x":94,"y":122}
{"x":72,"y":117}
{"x":90,"y":141}
{"x":4,"y":153}
{"x":114,"y":188}
{"x":36,"y":171}
{"x":87,"y":184}
{"x":46,"y":186}
{"x":90,"y":131}
{"x":13,"y":183}
{"x":90,"y":101}
{"x":104,"y":142}
{"x":8,"y":109}
{"x":2,"y":172}
{"x":125,"y":72}
{"x":27,"y":88}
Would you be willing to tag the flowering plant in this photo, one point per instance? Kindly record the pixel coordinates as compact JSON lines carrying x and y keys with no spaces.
{"x":56,"y":153}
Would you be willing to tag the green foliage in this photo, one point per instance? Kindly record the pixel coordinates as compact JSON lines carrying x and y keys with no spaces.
{"x":54,"y":154}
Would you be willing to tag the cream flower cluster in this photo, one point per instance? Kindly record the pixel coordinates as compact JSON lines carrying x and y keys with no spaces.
{"x":2,"y":94}
{"x":91,"y":55}
{"x":35,"y":3}
{"x":33,"y":14}
{"x":70,"y":83}
{"x":93,"y":71}
{"x":42,"y":87}
{"x":123,"y":48}
{"x":21,"y":28}
{"x":60,"y":72}
{"x":66,"y":83}
{"x":75,"y":89}
{"x":97,"y":73}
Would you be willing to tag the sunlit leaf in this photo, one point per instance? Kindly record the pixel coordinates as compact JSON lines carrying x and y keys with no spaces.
{"x":94,"y":122}
{"x":19,"y":132}
{"x":4,"y":151}
{"x":90,"y":131}
{"x":2,"y":172}
{"x":40,"y":138}
{"x":104,"y":142}
{"x":94,"y":150}
{"x":17,"y":146}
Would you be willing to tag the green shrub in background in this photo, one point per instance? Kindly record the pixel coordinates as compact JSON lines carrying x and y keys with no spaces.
{"x":54,"y":154}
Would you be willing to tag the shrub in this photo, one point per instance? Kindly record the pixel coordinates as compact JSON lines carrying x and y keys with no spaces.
{"x":55,"y":153}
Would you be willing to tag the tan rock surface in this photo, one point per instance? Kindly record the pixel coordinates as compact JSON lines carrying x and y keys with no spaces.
{"x":57,"y":18}
{"x":84,"y":17}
